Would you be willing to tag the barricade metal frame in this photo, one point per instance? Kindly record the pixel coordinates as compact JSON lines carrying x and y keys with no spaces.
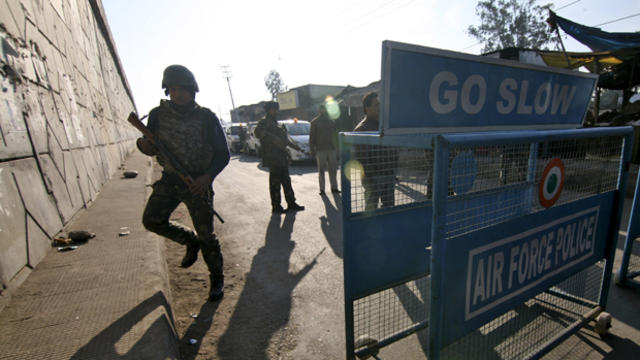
{"x":391,"y":261}
{"x":630,"y":266}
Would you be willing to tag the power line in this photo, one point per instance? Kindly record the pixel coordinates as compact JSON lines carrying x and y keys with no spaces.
{"x":616,"y":20}
{"x":562,"y":7}
{"x":385,"y":14}
{"x":373,"y":11}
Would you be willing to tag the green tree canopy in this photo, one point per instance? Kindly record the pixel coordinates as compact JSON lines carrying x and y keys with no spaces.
{"x":274,"y":83}
{"x":513,"y":23}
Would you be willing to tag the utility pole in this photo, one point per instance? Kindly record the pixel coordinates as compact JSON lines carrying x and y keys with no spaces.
{"x":226,"y":73}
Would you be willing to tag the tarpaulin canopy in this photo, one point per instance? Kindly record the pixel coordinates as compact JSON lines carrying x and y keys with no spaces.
{"x":616,"y":56}
{"x":594,"y":38}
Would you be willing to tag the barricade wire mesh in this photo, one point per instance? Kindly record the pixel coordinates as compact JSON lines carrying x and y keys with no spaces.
{"x":520,"y":331}
{"x":391,"y":311}
{"x":490,"y":185}
{"x":487,"y":185}
{"x":385,"y":176}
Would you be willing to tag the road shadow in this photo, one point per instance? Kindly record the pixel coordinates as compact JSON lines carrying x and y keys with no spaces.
{"x":331,"y":223}
{"x":197,"y":331}
{"x":160,"y":332}
{"x":264,"y":306}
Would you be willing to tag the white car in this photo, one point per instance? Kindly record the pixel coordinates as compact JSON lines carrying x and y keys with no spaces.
{"x":298,"y":131}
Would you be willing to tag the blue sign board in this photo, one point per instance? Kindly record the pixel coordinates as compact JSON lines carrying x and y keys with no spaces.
{"x":433,"y":90}
{"x":491,"y":270}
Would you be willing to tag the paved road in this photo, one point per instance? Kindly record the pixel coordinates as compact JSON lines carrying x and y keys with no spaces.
{"x":286,"y":296}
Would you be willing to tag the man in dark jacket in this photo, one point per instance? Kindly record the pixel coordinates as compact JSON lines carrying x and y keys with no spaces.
{"x":273,"y":142}
{"x":378,"y":162}
{"x":322,"y":144}
{"x":194,"y":136}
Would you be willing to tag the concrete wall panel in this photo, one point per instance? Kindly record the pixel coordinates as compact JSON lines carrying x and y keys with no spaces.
{"x":72,"y":180}
{"x":15,"y":12}
{"x":35,"y":198}
{"x":84,"y":181}
{"x":39,"y":243}
{"x":56,"y":182}
{"x":13,"y":248}
{"x":67,"y":98}
{"x":15,"y":139}
{"x":55,"y":126}
{"x":35,"y":118}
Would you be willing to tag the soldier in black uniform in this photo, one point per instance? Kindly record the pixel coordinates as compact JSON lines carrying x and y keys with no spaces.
{"x":194,"y":136}
{"x":274,"y":142}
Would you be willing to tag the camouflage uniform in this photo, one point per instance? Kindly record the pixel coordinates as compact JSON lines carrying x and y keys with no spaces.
{"x":194,"y":136}
{"x":274,"y":141}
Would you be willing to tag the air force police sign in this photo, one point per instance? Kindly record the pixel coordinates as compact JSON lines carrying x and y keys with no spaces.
{"x":491,"y":270}
{"x":432,"y":90}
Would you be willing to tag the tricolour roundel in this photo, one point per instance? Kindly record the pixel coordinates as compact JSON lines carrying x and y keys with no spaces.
{"x":551,"y":183}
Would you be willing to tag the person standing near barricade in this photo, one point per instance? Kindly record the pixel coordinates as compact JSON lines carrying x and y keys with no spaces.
{"x":274,"y":141}
{"x":322,"y":144}
{"x":378,"y":162}
{"x":194,"y":138}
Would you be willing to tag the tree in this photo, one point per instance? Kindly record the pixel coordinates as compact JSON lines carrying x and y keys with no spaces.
{"x":513,"y":23}
{"x":274,"y":83}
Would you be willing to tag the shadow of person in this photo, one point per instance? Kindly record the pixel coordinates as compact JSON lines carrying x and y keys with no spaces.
{"x":331,"y":223}
{"x":104,"y":345}
{"x":264,"y":305}
{"x":197,"y":331}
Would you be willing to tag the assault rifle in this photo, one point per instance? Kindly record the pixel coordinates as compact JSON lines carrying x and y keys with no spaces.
{"x":165,"y":154}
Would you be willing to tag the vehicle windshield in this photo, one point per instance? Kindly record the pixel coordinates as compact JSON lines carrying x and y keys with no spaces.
{"x":298,"y":128}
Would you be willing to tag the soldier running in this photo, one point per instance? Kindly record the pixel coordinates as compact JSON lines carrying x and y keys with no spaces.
{"x":194,"y":136}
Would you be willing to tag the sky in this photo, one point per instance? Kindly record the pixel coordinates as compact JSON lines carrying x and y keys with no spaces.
{"x":330,"y":42}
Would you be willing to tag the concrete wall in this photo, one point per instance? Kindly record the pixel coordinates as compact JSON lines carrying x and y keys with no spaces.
{"x":63,"y":131}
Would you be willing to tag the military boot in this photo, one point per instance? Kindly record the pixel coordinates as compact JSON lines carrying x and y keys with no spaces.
{"x":217,"y":287}
{"x":191,"y":255}
{"x":213,"y":257}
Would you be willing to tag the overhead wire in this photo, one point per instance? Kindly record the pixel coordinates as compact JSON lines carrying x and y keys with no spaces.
{"x":382,"y":15}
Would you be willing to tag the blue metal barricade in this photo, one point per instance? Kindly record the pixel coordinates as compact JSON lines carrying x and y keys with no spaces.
{"x":630,"y":266}
{"x":500,"y":244}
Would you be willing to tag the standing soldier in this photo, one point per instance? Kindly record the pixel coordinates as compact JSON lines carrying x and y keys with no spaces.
{"x":194,"y":136}
{"x":322,"y":144}
{"x":274,"y":142}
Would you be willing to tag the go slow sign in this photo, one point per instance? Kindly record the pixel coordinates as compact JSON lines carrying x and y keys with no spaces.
{"x":432,"y":90}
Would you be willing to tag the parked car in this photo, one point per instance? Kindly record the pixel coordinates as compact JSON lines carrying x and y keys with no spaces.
{"x":253,"y":143}
{"x":236,"y":136}
{"x":298,"y":131}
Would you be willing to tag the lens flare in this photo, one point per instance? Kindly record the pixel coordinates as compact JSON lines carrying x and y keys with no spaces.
{"x":333,"y":108}
{"x":353,"y":167}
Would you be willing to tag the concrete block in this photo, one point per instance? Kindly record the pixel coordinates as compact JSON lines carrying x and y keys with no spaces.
{"x":38,"y":241}
{"x":37,"y":44}
{"x":35,"y":118}
{"x":56,"y":152}
{"x":47,"y":27}
{"x":72,"y":179}
{"x":64,"y":117}
{"x":84,"y":181}
{"x":89,"y":179}
{"x":32,"y":11}
{"x":55,"y":127}
{"x":14,"y":18}
{"x":57,"y":6}
{"x":13,"y":237}
{"x":56,"y":182}
{"x":35,"y":198}
{"x":13,"y":134}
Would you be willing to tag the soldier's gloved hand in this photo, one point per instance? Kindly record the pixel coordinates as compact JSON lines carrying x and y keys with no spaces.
{"x":146,"y":146}
{"x":201,"y":184}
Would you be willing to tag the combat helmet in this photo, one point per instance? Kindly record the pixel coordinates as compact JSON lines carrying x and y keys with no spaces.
{"x":178,"y":75}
